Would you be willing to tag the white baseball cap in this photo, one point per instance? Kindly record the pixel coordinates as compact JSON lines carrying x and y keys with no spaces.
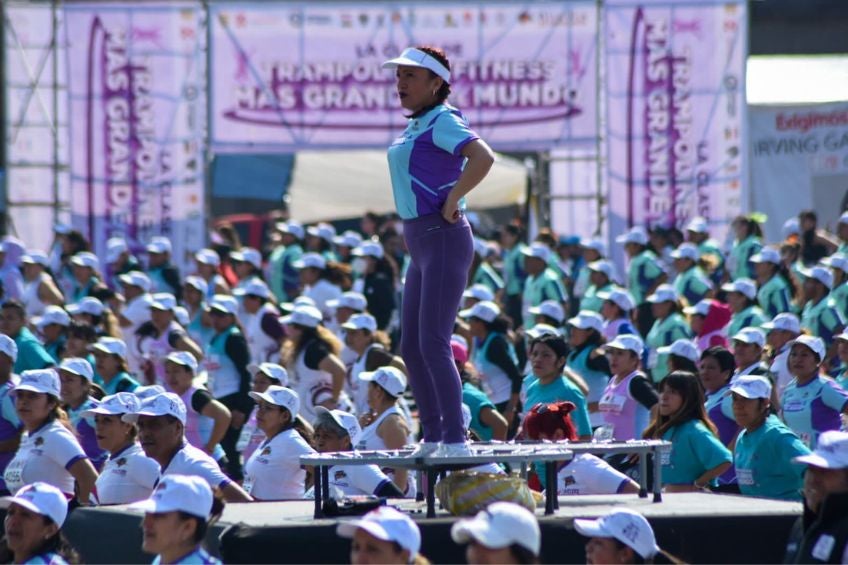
{"x":299,"y":301}
{"x":627,"y":526}
{"x":181,"y":316}
{"x":743,"y":286}
{"x":159,"y":244}
{"x":753,"y":336}
{"x":843,"y":336}
{"x":254,"y":287}
{"x":183,"y":358}
{"x":551,"y":309}
{"x":686,"y":251}
{"x":587,"y":320}
{"x":45,"y":381}
{"x":821,"y":274}
{"x":163,"y":404}
{"x":310,"y":260}
{"x":35,"y":257}
{"x":701,"y":308}
{"x":279,"y":396}
{"x":843,"y":219}
{"x":135,"y":278}
{"x":78,"y":366}
{"x":681,"y":348}
{"x":178,"y":493}
{"x":480,"y":292}
{"x":208,"y":257}
{"x":390,"y":378}
{"x":485,"y":310}
{"x":814,"y":344}
{"x":247,"y":255}
{"x":41,"y":498}
{"x":751,"y":386}
{"x":603,"y":266}
{"x":539,"y":330}
{"x":791,"y":227}
{"x":197,"y":283}
{"x":9,"y":347}
{"x":786,"y":322}
{"x":270,"y":370}
{"x":164,"y":301}
{"x":628,"y":342}
{"x":308,"y":316}
{"x":147,"y":391}
{"x":291,"y":227}
{"x":348,"y":238}
{"x":831,"y":451}
{"x":636,"y":234}
{"x":698,"y":224}
{"x":323,"y":230}
{"x":597,"y":244}
{"x":500,"y":525}
{"x":88,"y":305}
{"x":52,"y":315}
{"x":86,"y":259}
{"x":111,"y":345}
{"x":224,"y":303}
{"x":361,"y":322}
{"x":386,"y":524}
{"x":663,"y":293}
{"x":837,"y":261}
{"x":412,"y":57}
{"x":115,"y":405}
{"x":115,"y":246}
{"x":767,"y":255}
{"x":537,"y":250}
{"x":350,"y":299}
{"x":345,"y":421}
{"x":369,"y":249}
{"x":620,"y":297}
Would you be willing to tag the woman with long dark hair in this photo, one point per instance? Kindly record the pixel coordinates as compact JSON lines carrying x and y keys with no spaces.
{"x":435,"y":162}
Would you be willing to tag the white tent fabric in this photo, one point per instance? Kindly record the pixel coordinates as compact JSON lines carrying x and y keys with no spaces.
{"x":797,"y":79}
{"x":346,"y":184}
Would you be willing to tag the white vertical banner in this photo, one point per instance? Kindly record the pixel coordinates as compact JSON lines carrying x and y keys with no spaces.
{"x":138,"y":113}
{"x":675,"y":76}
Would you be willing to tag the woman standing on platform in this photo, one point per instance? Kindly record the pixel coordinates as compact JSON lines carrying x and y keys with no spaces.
{"x":435,"y":162}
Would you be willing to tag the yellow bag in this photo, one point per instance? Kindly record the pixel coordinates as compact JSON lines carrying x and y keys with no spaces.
{"x":464,"y":493}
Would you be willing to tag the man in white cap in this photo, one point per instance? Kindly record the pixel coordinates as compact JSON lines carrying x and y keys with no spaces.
{"x":821,"y":534}
{"x":10,"y":424}
{"x":502,"y":533}
{"x":820,"y":316}
{"x":164,"y":275}
{"x":31,"y":354}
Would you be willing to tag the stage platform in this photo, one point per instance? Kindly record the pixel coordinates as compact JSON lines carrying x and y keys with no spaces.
{"x":698,"y":527}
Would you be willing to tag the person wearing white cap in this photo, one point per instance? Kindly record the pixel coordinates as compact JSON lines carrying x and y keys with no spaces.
{"x":621,"y":536}
{"x":782,"y":331}
{"x":161,"y":420}
{"x":128,"y":474}
{"x":86,"y":276}
{"x":112,"y":373}
{"x":494,"y":357}
{"x":748,"y":347}
{"x":825,"y":504}
{"x":669,"y":326}
{"x":247,"y":265}
{"x":820,"y":316}
{"x":698,"y":232}
{"x":199,"y":327}
{"x":176,"y":518}
{"x":349,"y":304}
{"x":838,"y":264}
{"x":629,"y":397}
{"x":260,"y":321}
{"x":484,"y":273}
{"x":345,"y":244}
{"x":502,"y":533}
{"x":207,"y":264}
{"x":379,"y":283}
{"x":284,"y":278}
{"x":592,"y":250}
{"x":264,"y":375}
{"x":477,"y":293}
{"x":33,"y":525}
{"x":321,"y":281}
{"x":339,"y":431}
{"x":386,"y":426}
{"x":52,"y":326}
{"x":10,"y":424}
{"x":383,"y":536}
{"x":78,"y":395}
{"x":765,"y":447}
{"x":370,"y":348}
{"x":319,"y":239}
{"x":682,"y":355}
{"x":513,"y":246}
{"x":136,"y":290}
{"x":273,"y":471}
{"x":708,"y":320}
{"x":811,"y":403}
{"x":155,"y":339}
{"x":542,"y":282}
{"x":40,"y":290}
{"x":164,"y":275}
{"x":31,"y":353}
{"x":776,"y":287}
{"x":587,"y":359}
{"x":207,"y":420}
{"x":226,"y":360}
{"x":714,"y":372}
{"x":748,"y":233}
{"x":119,"y":258}
{"x":691,"y":282}
{"x":600,"y":278}
{"x":742,"y":299}
{"x":49,"y":451}
{"x":616,"y":311}
{"x":644,"y":274}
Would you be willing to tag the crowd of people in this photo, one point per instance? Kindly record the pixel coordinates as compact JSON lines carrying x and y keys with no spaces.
{"x":119,"y":371}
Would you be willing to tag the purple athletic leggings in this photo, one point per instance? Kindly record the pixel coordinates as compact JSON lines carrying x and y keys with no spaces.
{"x":440,"y":254}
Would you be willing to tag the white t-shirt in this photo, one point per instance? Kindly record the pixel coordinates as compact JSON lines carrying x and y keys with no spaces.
{"x":193,"y":461}
{"x":45,"y":455}
{"x":354,"y":480}
{"x":587,"y":474}
{"x":273,"y":471}
{"x":127,"y":476}
{"x":322,"y":292}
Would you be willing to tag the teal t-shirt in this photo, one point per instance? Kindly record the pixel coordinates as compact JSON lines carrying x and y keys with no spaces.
{"x":513,"y":269}
{"x":693,"y":285}
{"x":813,"y":408}
{"x":822,"y":319}
{"x":740,"y":256}
{"x":750,"y":317}
{"x":591,"y":301}
{"x":545,"y":286}
{"x":840,"y":299}
{"x":122,"y":382}
{"x":558,"y":390}
{"x":774,"y":297}
{"x":476,"y":400}
{"x":643,"y":272}
{"x":763,"y":461}
{"x":694,"y":450}
{"x":487,"y":276}
{"x":662,"y":334}
{"x":31,"y":354}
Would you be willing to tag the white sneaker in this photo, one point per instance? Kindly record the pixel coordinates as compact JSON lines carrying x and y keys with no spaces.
{"x":424,"y":449}
{"x":452,"y":450}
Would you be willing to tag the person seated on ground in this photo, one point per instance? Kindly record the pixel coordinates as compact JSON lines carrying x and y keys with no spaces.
{"x":585,"y":473}
{"x":385,"y":536}
{"x":339,"y":431}
{"x":176,"y":518}
{"x":161,"y":421}
{"x":621,"y":536}
{"x":33,"y":526}
{"x":502,"y":533}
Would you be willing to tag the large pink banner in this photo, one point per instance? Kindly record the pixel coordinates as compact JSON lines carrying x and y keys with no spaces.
{"x":308,"y":75}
